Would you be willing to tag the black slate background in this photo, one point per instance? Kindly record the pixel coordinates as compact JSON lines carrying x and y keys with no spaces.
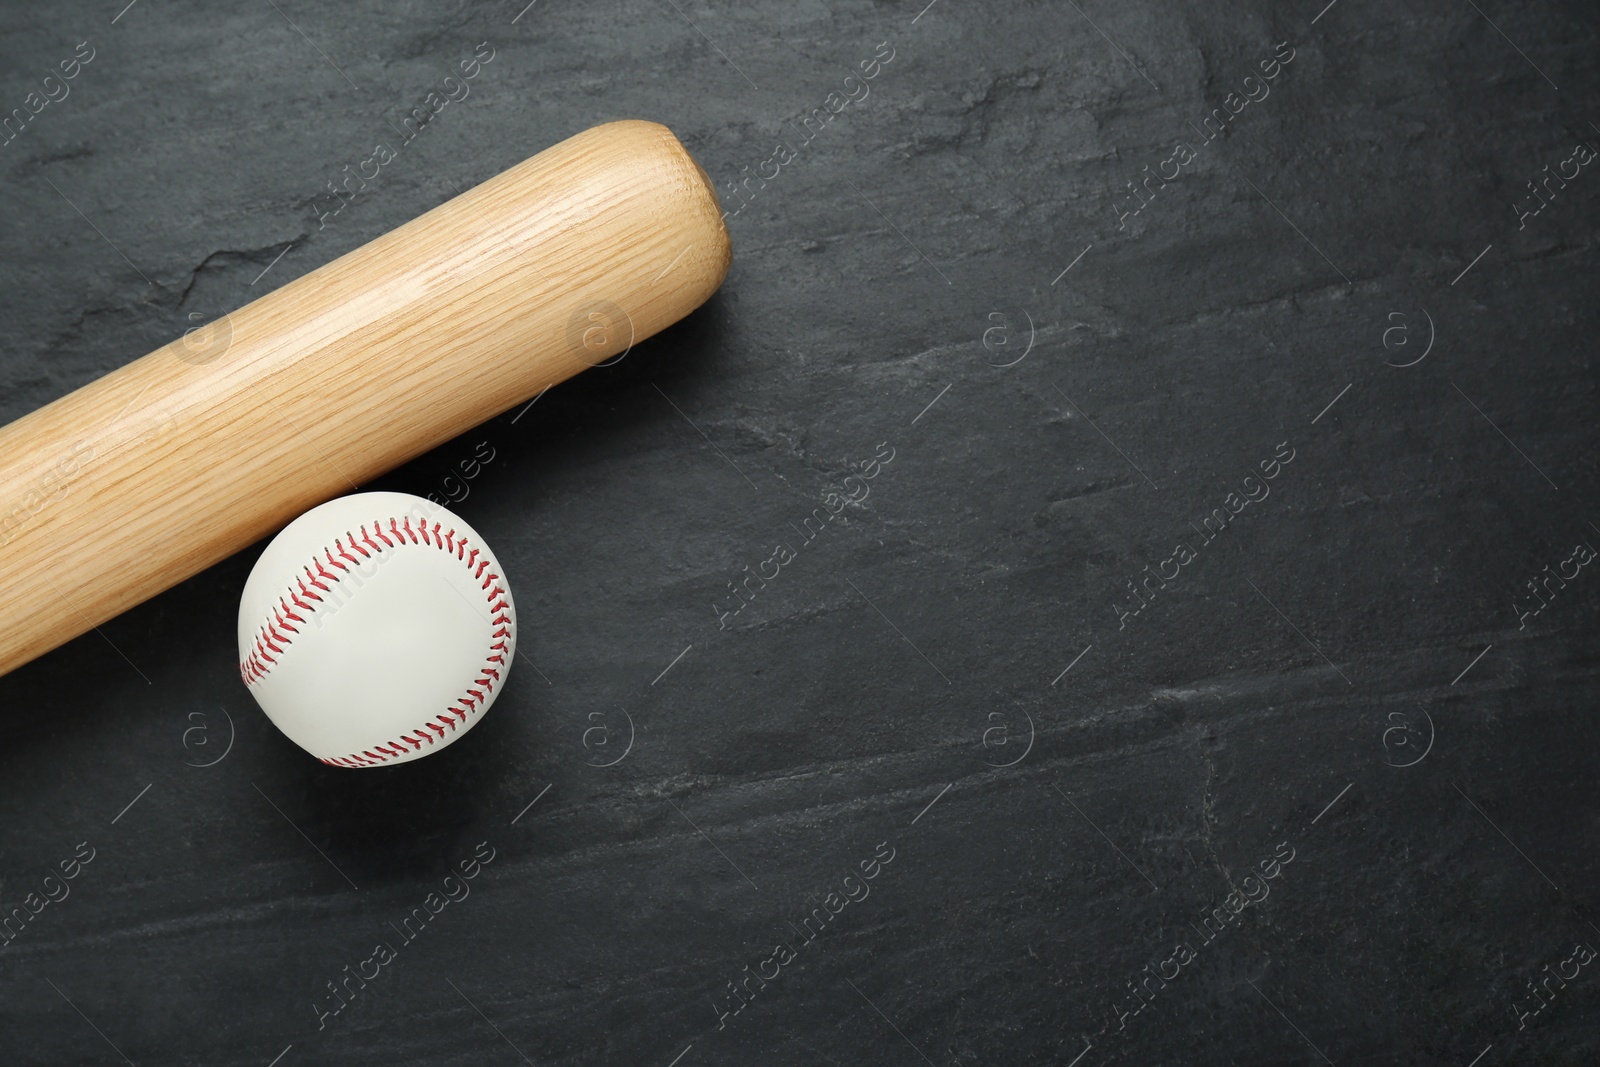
{"x":912,"y":655}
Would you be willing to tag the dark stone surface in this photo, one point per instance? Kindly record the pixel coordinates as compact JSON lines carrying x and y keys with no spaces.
{"x":1358,"y":616}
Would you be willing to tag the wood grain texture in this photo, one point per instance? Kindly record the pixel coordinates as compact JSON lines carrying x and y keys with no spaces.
{"x":137,"y":481}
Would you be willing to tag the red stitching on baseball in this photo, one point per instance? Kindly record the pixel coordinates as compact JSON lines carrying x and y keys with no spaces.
{"x":260,"y":661}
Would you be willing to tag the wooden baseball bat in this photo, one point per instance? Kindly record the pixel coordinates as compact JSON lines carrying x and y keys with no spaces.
{"x":158,"y":470}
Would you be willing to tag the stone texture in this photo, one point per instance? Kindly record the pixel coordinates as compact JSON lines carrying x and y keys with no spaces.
{"x":901,"y":657}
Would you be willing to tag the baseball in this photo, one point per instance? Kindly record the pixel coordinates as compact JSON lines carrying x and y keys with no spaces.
{"x":376,"y":628}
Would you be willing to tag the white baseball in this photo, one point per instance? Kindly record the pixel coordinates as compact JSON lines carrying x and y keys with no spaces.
{"x":376,"y":628}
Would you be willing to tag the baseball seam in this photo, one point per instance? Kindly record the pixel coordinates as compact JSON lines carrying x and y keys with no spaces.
{"x":296,"y":606}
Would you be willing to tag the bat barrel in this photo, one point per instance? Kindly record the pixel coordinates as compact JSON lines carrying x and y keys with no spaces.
{"x":176,"y":461}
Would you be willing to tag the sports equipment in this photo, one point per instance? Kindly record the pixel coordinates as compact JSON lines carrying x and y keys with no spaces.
{"x":178,"y":460}
{"x":376,"y":628}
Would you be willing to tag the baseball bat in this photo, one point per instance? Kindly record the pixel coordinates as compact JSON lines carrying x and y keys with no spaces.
{"x":160,"y":469}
